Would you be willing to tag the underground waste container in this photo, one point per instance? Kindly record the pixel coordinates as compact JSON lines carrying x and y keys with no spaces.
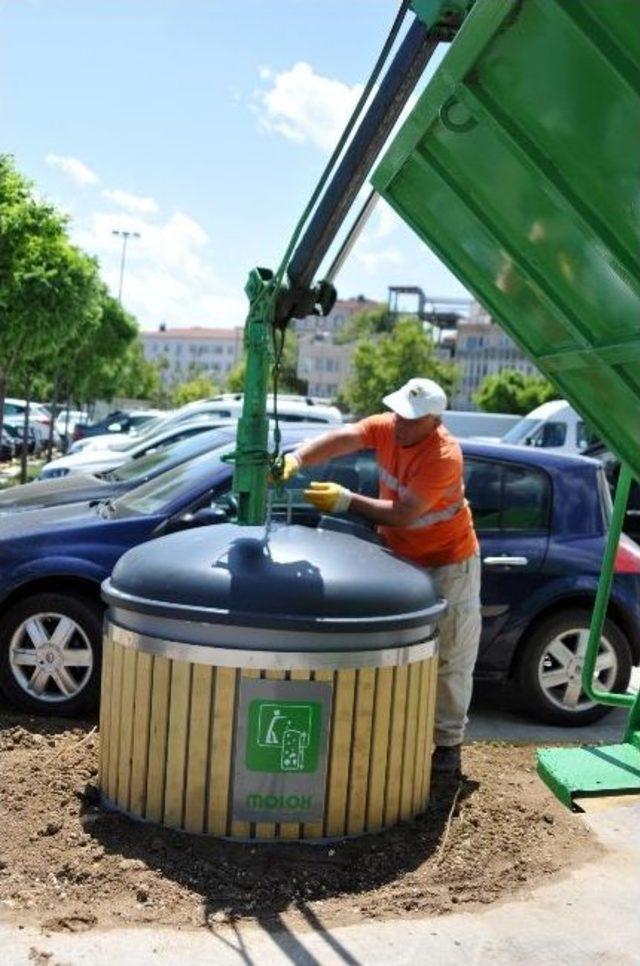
{"x":268,"y":684}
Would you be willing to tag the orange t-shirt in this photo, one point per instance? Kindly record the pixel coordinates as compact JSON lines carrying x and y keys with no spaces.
{"x":432,"y":471}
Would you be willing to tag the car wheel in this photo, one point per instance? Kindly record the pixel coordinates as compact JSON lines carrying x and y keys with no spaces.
{"x":549,"y":671}
{"x":50,"y":652}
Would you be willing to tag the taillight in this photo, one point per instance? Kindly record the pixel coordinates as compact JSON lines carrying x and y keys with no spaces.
{"x":627,"y":557}
{"x":77,"y":434}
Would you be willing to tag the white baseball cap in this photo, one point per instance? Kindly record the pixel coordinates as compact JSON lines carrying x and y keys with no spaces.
{"x":418,"y":397}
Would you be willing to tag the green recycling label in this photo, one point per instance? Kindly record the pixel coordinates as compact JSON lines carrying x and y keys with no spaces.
{"x":283,"y":736}
{"x":281,"y":743}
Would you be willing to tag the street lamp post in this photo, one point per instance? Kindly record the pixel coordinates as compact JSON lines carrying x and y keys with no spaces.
{"x":125,"y":235}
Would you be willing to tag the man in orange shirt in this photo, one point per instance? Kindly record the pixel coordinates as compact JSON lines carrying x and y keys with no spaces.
{"x":422,"y":515}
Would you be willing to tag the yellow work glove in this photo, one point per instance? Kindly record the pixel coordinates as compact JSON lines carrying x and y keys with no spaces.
{"x":329,"y":497}
{"x":290,"y":466}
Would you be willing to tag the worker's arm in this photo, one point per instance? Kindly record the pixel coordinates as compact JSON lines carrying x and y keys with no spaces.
{"x":333,"y":498}
{"x":338,"y":442}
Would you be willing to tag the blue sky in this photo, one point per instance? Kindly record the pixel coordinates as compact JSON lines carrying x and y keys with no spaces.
{"x":203,"y":125}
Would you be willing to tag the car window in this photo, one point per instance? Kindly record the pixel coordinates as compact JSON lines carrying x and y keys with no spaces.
{"x":585,"y":436}
{"x":170,"y":456}
{"x":518,"y":433}
{"x":549,"y":435}
{"x":506,"y":496}
{"x":526,"y":497}
{"x":483,"y":484}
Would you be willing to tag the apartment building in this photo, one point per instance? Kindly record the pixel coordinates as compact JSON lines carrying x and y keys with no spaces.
{"x":323,"y":364}
{"x":198,"y":350}
{"x":483,"y":348}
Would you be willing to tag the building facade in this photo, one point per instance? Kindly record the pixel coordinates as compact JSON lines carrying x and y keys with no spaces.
{"x":483,"y":348}
{"x":195,"y":351}
{"x":324,"y":365}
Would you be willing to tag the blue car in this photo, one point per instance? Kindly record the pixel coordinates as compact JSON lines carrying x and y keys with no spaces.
{"x":541,"y":520}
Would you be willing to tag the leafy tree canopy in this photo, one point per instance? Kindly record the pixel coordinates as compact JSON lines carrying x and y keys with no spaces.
{"x":511,"y":391}
{"x":198,"y":388}
{"x":383,"y":365}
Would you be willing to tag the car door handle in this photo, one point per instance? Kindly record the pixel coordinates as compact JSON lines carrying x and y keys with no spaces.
{"x":505,"y":561}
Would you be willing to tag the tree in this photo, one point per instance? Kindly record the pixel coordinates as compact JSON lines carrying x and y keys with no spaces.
{"x":198,"y":388}
{"x":511,"y":391}
{"x":383,"y":365}
{"x":49,"y":290}
{"x":364,"y":324}
{"x":288,"y":380}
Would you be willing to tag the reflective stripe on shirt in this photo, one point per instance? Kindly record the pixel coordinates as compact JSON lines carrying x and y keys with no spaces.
{"x":427,"y":519}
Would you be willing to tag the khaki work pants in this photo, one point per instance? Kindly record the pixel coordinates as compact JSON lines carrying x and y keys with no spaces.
{"x":459,"y":629}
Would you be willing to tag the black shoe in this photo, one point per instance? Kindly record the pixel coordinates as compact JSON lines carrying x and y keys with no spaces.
{"x":446,"y":761}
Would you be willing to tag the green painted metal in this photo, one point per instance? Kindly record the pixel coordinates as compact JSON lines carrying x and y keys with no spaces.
{"x":251,"y":455}
{"x":517,"y":167}
{"x":441,"y":13}
{"x":602,"y":599}
{"x":590,"y":771}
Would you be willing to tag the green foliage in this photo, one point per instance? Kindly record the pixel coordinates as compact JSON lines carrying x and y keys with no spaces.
{"x":199,"y":388}
{"x":510,"y":391}
{"x":288,"y":381}
{"x":383,"y":365}
{"x":362,"y":325}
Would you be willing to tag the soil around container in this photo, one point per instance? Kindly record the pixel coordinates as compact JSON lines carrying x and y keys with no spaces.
{"x":66,"y":864}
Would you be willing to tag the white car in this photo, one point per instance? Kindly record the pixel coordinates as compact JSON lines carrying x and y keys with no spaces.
{"x":39,"y":419}
{"x":98,"y":461}
{"x":554,"y":426}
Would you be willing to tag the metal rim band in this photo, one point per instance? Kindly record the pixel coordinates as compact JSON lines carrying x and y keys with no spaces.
{"x":271,"y":660}
{"x":246,"y":638}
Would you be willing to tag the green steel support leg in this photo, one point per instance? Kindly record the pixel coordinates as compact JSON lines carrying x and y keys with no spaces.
{"x":602,"y":598}
{"x":252,"y":456}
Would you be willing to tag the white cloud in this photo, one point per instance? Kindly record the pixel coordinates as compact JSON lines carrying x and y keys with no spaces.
{"x":168,"y":273}
{"x":374,"y":261}
{"x":137,"y":203}
{"x":304,"y":106}
{"x":77,"y":170}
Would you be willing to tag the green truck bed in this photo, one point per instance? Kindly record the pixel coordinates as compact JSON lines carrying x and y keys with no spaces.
{"x":520,"y":168}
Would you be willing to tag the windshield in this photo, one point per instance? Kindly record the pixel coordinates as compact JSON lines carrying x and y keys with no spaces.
{"x":152,"y":464}
{"x":155,"y":495}
{"x":518,"y":433}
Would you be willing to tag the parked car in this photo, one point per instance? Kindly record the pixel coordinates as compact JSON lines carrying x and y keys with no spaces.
{"x":7,"y":446}
{"x":66,"y":422}
{"x":291,"y":409}
{"x":611,"y":466}
{"x":91,"y":487}
{"x":118,"y":421}
{"x":554,"y":426}
{"x":103,"y":461}
{"x":491,"y":427}
{"x":541,"y":521}
{"x":14,"y":425}
{"x":39,"y":419}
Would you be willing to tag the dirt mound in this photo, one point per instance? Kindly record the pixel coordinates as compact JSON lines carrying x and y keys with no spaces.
{"x":68,"y":865}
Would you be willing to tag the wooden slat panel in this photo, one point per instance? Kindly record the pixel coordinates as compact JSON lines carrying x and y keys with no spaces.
{"x":379,"y":748}
{"x":433,"y":687}
{"x":360,"y":753}
{"x":105,"y":710}
{"x":424,"y":710}
{"x":114,"y":731}
{"x":198,"y":751}
{"x":316,"y":830}
{"x":160,"y":685}
{"x":126,"y":727}
{"x":293,"y":830}
{"x":340,"y":755}
{"x":177,"y":739}
{"x":409,"y":746}
{"x":396,"y":744}
{"x":243,"y":829}
{"x":269,"y":830}
{"x":141,"y":718}
{"x":222,"y":725}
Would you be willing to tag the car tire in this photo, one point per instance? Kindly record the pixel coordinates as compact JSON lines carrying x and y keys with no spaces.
{"x":543,"y":678}
{"x":50,"y":654}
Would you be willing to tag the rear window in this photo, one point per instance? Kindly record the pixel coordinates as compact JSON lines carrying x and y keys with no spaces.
{"x":507,"y":496}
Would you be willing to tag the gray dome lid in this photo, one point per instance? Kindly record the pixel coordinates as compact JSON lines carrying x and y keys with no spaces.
{"x":289,"y":577}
